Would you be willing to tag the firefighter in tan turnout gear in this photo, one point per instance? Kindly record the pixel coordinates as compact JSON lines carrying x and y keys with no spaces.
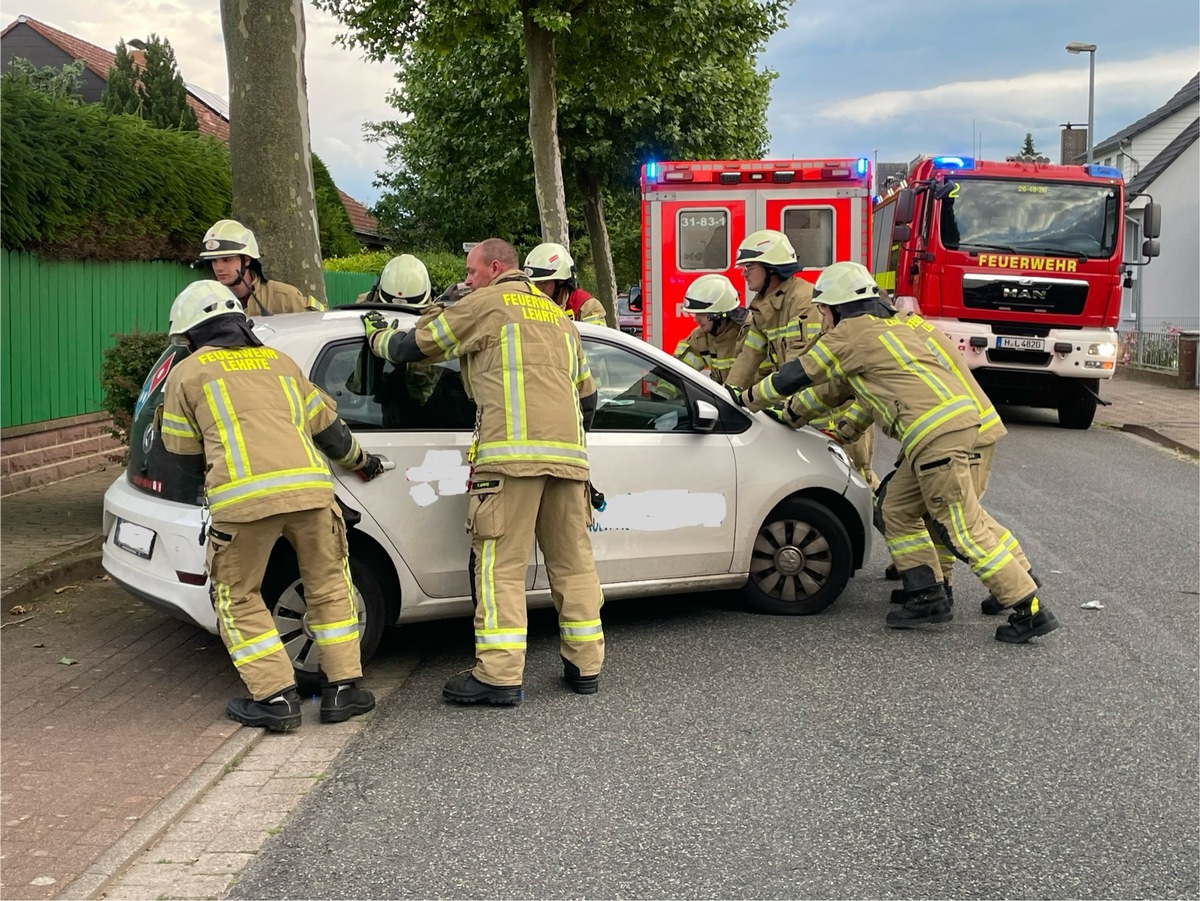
{"x":523,"y":363}
{"x":232,"y":251}
{"x":552,"y":269}
{"x":246,"y":414}
{"x":817,"y":403}
{"x":783,"y":324}
{"x":720,"y":318}
{"x":893,"y":366}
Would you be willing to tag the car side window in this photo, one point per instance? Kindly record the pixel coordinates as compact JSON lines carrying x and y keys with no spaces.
{"x":635,"y":394}
{"x":372,"y":393}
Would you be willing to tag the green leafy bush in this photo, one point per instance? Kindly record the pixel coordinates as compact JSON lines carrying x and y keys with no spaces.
{"x":79,"y":183}
{"x":445,"y":269}
{"x":122,"y":374}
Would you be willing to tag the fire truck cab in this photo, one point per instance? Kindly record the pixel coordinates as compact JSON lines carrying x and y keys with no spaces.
{"x":695,"y":214}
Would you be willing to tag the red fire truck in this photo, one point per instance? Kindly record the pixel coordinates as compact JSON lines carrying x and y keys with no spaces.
{"x":1020,"y":264}
{"x":694,"y":215}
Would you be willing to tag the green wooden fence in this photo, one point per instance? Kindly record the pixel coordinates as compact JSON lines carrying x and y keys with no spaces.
{"x":57,"y":318}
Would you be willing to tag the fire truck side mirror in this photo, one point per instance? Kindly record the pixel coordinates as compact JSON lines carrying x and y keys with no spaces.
{"x":1152,"y":222}
{"x":1150,"y":249}
{"x":901,"y":234}
{"x":905,"y":206}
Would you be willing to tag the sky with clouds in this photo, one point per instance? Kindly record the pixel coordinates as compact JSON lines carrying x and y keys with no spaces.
{"x":874,"y":78}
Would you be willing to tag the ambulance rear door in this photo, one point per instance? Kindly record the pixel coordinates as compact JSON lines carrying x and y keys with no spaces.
{"x":826,"y":225}
{"x":688,"y":234}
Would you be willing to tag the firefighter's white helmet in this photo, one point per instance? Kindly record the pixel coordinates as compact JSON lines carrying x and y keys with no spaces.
{"x":405,"y":280}
{"x":228,"y":238}
{"x":200,"y":302}
{"x":549,"y":261}
{"x":844,"y":283}
{"x":713,"y":294}
{"x":767,"y":246}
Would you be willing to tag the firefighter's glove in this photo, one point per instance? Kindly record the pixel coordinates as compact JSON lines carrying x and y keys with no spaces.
{"x":832,"y":436}
{"x":778,"y":415}
{"x":735,"y":393}
{"x":372,"y":468}
{"x":376,"y":327}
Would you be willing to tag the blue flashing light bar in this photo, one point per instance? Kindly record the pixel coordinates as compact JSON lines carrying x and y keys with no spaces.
{"x":862,"y":165}
{"x":1103,"y":171}
{"x":953,"y":162}
{"x":651,"y":169}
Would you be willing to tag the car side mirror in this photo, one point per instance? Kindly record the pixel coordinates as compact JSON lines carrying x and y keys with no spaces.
{"x":1150,"y":249}
{"x":901,"y":234}
{"x":707,"y":416}
{"x":905,"y":206}
{"x":1151,"y":221}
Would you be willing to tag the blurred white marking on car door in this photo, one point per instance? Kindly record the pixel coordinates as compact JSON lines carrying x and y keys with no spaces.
{"x":660,"y":511}
{"x":446,"y":468}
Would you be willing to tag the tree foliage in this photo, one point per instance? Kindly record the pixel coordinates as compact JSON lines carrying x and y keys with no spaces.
{"x":334,"y":231}
{"x":80,"y":183}
{"x":672,"y":83}
{"x":63,"y":83}
{"x":155,"y":91}
{"x":1027,"y":148}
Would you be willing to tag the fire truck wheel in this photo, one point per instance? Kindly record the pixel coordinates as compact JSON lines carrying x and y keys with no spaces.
{"x":283,"y":593}
{"x":801,"y":561}
{"x":1076,"y":404}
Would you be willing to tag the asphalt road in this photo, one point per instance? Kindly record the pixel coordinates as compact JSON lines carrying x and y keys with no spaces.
{"x":733,"y":755}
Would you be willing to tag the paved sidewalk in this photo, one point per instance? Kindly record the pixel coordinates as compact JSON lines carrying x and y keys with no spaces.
{"x":80,"y":805}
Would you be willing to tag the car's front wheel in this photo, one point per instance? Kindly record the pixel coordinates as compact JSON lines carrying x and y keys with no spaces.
{"x":801,"y":561}
{"x":283,"y":593}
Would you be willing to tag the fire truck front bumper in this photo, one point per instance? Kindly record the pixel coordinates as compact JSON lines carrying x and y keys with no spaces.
{"x":1066,"y":353}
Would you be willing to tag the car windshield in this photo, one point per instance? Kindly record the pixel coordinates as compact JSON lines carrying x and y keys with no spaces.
{"x":1053,"y":218}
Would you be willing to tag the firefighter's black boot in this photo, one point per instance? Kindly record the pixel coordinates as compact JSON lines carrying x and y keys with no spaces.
{"x":580,"y":684}
{"x":466,"y":689}
{"x":891,"y":573}
{"x":280,"y":713}
{"x":1028,"y":619}
{"x":900,"y":596}
{"x":929,"y":605}
{"x":342,"y":700}
{"x":990,"y":606}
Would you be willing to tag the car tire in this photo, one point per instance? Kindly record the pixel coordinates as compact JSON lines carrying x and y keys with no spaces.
{"x":1076,"y":405}
{"x":801,"y":560}
{"x":283,"y":593}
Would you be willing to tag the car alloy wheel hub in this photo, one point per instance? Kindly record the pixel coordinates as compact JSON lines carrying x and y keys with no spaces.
{"x":789,"y":560}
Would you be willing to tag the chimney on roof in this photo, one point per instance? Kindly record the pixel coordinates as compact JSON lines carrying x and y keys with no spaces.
{"x":1072,"y":144}
{"x":137,"y":50}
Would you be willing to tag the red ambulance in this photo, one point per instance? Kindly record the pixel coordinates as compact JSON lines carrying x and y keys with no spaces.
{"x":694,"y":215}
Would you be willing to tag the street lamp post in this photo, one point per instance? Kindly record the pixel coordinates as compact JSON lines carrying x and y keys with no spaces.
{"x":1090,"y":50}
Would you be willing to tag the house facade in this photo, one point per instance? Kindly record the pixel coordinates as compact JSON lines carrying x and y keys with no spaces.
{"x":1159,"y":155}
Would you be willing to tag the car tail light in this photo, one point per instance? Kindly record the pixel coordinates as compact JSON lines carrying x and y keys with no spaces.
{"x":191,"y":578}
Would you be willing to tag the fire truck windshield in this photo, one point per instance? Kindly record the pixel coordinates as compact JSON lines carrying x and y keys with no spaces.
{"x":1051,"y":218}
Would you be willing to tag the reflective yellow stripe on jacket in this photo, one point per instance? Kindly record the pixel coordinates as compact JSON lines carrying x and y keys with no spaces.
{"x":244,"y":482}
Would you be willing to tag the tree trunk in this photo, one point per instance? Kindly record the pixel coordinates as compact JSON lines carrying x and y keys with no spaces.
{"x":269,"y":152}
{"x":606,"y":277}
{"x":543,"y":131}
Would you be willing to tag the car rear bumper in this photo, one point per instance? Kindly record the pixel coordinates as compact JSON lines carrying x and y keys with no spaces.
{"x":176,"y":554}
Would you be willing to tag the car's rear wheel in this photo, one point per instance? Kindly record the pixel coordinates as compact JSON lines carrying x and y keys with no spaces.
{"x":283,"y":593}
{"x":801,"y":561}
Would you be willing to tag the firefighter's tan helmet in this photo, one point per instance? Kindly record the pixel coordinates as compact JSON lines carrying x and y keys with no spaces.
{"x":844,"y":283}
{"x":549,"y":261}
{"x":227,"y":238}
{"x":713,"y":294}
{"x":767,"y":246}
{"x":405,"y":280}
{"x":200,"y":302}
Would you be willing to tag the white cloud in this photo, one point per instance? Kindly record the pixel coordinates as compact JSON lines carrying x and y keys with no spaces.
{"x":1038,"y":97}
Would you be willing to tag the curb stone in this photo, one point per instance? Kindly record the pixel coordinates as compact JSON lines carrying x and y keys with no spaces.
{"x":83,"y":561}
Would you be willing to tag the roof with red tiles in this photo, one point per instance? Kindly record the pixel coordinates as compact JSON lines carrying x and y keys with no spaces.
{"x":360,"y":219}
{"x":100,"y":61}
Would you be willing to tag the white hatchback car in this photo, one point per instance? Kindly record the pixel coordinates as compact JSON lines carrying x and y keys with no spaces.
{"x":699,"y":494}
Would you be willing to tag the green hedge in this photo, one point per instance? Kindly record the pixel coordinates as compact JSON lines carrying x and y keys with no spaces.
{"x":79,"y":183}
{"x":445,"y":269}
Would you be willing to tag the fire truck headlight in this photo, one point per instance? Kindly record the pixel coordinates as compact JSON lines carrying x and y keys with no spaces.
{"x":1102,"y":350}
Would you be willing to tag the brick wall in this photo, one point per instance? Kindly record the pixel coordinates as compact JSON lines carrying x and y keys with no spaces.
{"x":44,"y":452}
